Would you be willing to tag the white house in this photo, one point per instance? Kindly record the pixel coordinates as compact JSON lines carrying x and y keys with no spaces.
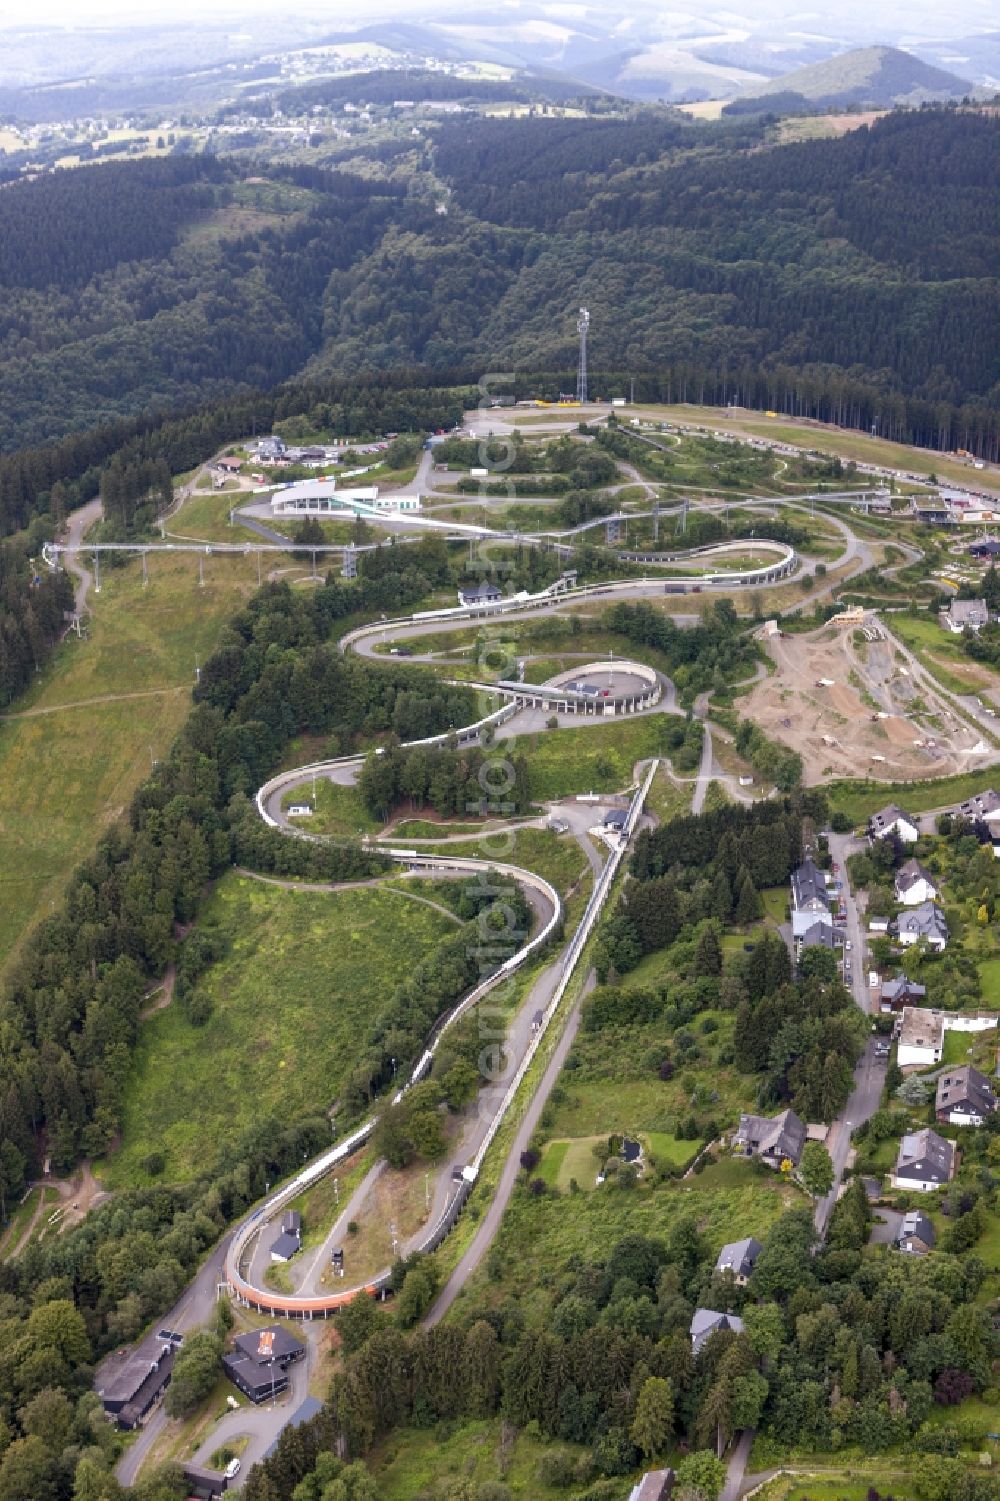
{"x":925,"y":1161}
{"x":925,"y":922}
{"x":962,"y":614}
{"x":921,"y":1038}
{"x":964,"y":1096}
{"x":892,"y":820}
{"x":915,"y":885}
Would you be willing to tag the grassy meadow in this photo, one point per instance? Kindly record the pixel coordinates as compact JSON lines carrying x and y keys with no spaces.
{"x":81,"y":739}
{"x":303,"y":976}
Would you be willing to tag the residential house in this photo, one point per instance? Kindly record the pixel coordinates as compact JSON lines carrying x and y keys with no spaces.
{"x":925,"y":922}
{"x":271,"y":448}
{"x":774,"y":1139}
{"x":707,"y":1322}
{"x":616,"y":819}
{"x":966,"y":614}
{"x":809,"y":888}
{"x":259,"y":1362}
{"x":228,"y":465}
{"x":818,"y":935}
{"x":901,"y":992}
{"x":915,"y":885}
{"x":916,"y":1234}
{"x":986,"y":548}
{"x":892,"y":820}
{"x":964,"y":1097}
{"x":925,"y":1161}
{"x":631,"y":1152}
{"x":983,"y":808}
{"x":740,"y":1258}
{"x":921,"y":1038}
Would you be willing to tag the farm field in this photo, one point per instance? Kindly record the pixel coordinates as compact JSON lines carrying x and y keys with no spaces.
{"x":289,"y":1000}
{"x":81,"y":739}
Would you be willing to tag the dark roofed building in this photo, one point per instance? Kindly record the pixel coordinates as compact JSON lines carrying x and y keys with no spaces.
{"x":809,"y":888}
{"x":291,"y":1222}
{"x":740,"y":1258}
{"x":771,"y":1138}
{"x":130,"y":1388}
{"x":285,"y":1247}
{"x":964,"y":1096}
{"x":480,"y":594}
{"x":259,"y":1362}
{"x":900,"y":992}
{"x":203,"y":1484}
{"x":819,"y":935}
{"x":916,"y":1234}
{"x":983,"y":806}
{"x":706,"y":1322}
{"x":893,"y":820}
{"x":925,"y":1161}
{"x":985,"y":548}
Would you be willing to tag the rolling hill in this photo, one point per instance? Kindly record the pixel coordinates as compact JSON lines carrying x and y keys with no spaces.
{"x":875,"y":77}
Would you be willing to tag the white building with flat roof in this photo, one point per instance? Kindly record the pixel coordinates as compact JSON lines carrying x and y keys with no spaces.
{"x":320,"y":497}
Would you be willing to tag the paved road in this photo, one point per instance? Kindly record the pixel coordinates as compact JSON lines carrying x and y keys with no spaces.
{"x":263,"y":1424}
{"x":490,"y":1223}
{"x":195,"y":1307}
{"x":869,"y":1077}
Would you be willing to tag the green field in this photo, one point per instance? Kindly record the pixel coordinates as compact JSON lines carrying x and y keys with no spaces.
{"x":304,"y":976}
{"x":860,"y":799}
{"x":540,"y":1234}
{"x":339,"y":810}
{"x":825,"y":439}
{"x":81,"y":739}
{"x":413,"y":1463}
{"x":592,"y":758}
{"x":941,"y":654}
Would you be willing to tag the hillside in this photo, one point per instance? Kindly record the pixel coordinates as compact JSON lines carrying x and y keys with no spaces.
{"x":161,"y":283}
{"x":876,"y":77}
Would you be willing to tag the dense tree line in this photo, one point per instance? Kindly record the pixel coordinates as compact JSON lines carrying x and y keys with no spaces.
{"x":707,"y":656}
{"x":868,"y":297}
{"x":55,"y":478}
{"x":835,"y":1349}
{"x":449,"y":780}
{"x":64,"y":228}
{"x":32,"y":605}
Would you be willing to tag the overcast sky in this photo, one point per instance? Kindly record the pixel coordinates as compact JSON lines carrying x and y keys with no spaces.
{"x":923,"y":17}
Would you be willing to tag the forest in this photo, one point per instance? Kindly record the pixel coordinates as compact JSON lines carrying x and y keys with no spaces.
{"x":32,"y":606}
{"x":834,"y":1350}
{"x":851,"y":279}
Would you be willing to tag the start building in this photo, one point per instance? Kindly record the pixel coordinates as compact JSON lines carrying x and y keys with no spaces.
{"x":259,"y":1362}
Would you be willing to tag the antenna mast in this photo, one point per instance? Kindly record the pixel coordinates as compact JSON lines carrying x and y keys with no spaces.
{"x":582,"y":325}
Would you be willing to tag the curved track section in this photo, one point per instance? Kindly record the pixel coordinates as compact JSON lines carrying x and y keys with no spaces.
{"x":299,"y":1306}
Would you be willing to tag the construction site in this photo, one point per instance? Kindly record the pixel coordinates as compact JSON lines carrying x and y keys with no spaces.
{"x":848,"y":701}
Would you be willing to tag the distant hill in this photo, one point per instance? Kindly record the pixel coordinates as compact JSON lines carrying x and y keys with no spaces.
{"x":876,"y":77}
